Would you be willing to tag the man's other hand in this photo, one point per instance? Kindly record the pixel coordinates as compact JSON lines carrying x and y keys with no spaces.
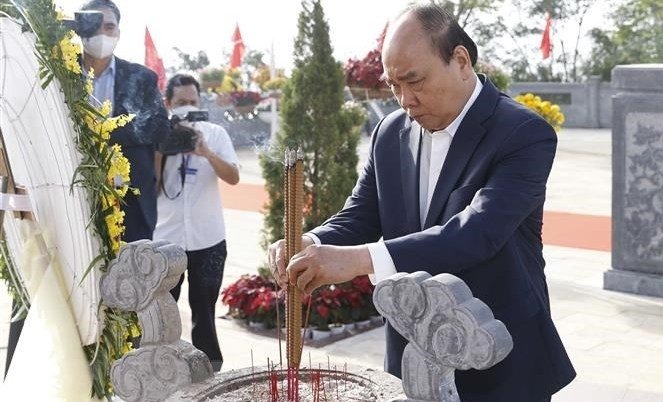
{"x":276,"y":257}
{"x":318,"y":265}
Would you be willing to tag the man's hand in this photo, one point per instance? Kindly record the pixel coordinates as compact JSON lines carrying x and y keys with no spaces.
{"x":318,"y":265}
{"x":201,"y":146}
{"x":277,"y":262}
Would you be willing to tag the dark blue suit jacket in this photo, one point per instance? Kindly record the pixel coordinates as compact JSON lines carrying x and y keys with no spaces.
{"x":484,"y":226}
{"x":136,"y":92}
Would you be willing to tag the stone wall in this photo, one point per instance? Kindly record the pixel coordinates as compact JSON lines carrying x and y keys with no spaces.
{"x":585,"y":105}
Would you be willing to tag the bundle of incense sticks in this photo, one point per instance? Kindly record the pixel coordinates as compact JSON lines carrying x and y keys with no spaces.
{"x":293,"y":200}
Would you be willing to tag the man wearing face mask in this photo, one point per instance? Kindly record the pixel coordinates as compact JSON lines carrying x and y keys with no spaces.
{"x":132,"y":89}
{"x":191,"y":212}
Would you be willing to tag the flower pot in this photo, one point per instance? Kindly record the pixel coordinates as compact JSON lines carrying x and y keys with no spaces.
{"x":363,"y":324}
{"x":306,"y":333}
{"x":336,"y":329}
{"x":318,"y":334}
{"x":257,"y":325}
{"x":377,"y":320}
{"x":244,"y":109}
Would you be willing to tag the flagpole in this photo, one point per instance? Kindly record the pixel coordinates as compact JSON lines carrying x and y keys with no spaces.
{"x":552,"y":54}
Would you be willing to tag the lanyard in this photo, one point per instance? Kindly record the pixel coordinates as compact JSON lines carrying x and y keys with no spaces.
{"x":184,"y":165}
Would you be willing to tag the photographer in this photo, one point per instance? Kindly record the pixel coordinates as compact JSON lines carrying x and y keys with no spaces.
{"x":190,"y":209}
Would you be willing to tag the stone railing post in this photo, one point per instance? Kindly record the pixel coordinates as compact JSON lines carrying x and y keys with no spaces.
{"x":139,"y":280}
{"x":594,"y":101}
{"x":637,"y":180}
{"x":448,"y":329}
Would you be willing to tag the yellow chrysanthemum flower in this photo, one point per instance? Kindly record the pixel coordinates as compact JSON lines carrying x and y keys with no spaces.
{"x":60,"y":15}
{"x":89,"y":81}
{"x":118,"y":173}
{"x":104,"y":126}
{"x":549,"y":111}
{"x":115,"y":224}
{"x":69,"y":53}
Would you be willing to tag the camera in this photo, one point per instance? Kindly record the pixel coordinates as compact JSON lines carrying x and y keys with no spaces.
{"x":182,"y":139}
{"x":86,"y":23}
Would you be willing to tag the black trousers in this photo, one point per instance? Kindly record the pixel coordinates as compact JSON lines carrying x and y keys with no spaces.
{"x":204,"y":272}
{"x":135,"y":222}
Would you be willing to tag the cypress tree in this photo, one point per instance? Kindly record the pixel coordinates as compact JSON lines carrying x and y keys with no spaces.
{"x":315,"y":118}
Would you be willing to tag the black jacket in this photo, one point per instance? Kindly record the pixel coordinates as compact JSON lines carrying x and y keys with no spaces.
{"x":136,"y":92}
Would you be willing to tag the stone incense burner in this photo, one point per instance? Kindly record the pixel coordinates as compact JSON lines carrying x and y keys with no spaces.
{"x":447,"y":327}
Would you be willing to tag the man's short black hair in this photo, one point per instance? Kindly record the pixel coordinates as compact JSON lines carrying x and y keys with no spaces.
{"x":444,"y":32}
{"x":180,"y":80}
{"x":99,"y":4}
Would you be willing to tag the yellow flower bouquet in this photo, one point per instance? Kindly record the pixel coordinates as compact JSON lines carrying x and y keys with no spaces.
{"x":549,"y":111}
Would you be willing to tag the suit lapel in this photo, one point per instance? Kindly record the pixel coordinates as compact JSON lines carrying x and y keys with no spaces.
{"x":460,"y":152}
{"x":409,"y":149}
{"x":463,"y":145}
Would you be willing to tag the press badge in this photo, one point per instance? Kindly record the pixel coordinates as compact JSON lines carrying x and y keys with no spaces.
{"x":190,"y":175}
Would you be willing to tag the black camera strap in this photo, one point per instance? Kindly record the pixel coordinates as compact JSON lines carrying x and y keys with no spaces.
{"x":182,"y":169}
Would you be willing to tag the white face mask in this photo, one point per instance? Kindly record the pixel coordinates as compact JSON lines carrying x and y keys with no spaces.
{"x":181,"y":111}
{"x":100,"y":46}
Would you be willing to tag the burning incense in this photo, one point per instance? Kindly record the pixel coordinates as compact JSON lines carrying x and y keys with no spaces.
{"x":293,"y":201}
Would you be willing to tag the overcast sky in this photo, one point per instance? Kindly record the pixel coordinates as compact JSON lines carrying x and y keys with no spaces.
{"x":194,"y":25}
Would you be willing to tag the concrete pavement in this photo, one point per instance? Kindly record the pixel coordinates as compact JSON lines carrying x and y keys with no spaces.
{"x":615,"y":340}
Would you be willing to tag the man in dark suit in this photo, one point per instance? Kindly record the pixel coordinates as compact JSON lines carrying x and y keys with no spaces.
{"x":455,"y":182}
{"x":132,"y":89}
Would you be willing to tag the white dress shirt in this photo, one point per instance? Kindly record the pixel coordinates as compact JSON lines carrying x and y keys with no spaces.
{"x":103,"y":85}
{"x":194,"y":219}
{"x":434,"y":149}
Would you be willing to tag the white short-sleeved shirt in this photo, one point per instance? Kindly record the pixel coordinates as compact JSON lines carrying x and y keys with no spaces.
{"x":194,"y":219}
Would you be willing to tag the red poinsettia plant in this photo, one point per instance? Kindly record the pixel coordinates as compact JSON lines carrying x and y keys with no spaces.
{"x":251,"y":297}
{"x":256,"y":298}
{"x":365,"y":73}
{"x":245,"y":98}
{"x":358,"y":296}
{"x":326,"y":307}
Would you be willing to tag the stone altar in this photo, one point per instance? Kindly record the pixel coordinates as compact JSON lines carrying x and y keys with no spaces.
{"x":637,"y":179}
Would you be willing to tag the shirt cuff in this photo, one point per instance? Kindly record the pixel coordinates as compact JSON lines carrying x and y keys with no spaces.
{"x":313,"y":237}
{"x":383,"y":265}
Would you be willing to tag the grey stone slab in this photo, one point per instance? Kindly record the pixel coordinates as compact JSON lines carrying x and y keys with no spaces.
{"x":638,"y":77}
{"x":633,"y":282}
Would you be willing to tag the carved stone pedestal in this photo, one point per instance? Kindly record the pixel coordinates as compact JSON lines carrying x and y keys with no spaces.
{"x":448,"y":330}
{"x":140,"y":279}
{"x":637,"y":174}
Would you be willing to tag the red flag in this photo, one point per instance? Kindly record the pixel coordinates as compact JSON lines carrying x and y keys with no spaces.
{"x":238,"y":48}
{"x":153,"y":61}
{"x":546,"y":46}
